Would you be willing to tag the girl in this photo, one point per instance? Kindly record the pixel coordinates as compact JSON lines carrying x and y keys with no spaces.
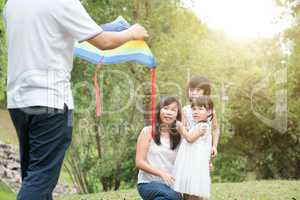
{"x":196,"y":87}
{"x":191,"y":170}
{"x":155,"y":156}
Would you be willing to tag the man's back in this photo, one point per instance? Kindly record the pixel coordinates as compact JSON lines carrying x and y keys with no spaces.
{"x":41,"y":35}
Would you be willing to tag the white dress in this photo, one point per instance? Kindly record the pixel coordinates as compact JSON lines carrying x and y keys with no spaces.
{"x":191,"y":168}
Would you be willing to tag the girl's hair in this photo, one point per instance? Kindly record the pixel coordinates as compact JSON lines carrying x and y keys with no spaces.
{"x":204,"y":101}
{"x":174,"y":135}
{"x":199,"y":82}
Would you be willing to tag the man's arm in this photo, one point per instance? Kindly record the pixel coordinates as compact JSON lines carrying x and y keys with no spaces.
{"x":111,"y":40}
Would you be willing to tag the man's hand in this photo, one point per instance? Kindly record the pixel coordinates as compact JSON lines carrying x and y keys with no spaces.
{"x":138,"y":32}
{"x":111,"y":40}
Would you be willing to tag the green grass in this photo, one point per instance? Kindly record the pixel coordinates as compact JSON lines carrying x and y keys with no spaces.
{"x":7,"y":131}
{"x":253,"y":190}
{"x":5,"y":193}
{"x":65,"y":178}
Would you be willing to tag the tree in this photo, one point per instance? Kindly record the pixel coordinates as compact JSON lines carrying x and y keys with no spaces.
{"x":3,"y":59}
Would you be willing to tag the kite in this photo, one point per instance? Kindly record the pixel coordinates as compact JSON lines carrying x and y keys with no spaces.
{"x":132,"y":51}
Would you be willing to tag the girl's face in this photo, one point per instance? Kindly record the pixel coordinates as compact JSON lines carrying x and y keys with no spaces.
{"x":199,"y":113}
{"x":168,"y":114}
{"x":195,"y":92}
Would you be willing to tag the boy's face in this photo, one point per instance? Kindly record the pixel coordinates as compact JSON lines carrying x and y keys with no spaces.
{"x":195,"y":92}
{"x":199,"y":113}
{"x":168,"y":114}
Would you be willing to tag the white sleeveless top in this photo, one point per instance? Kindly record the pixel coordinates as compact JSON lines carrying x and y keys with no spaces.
{"x":161,"y":157}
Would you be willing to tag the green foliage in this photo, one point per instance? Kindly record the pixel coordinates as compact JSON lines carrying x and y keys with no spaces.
{"x":7,"y":131}
{"x":229,"y":168}
{"x":270,"y":152}
{"x":3,"y":58}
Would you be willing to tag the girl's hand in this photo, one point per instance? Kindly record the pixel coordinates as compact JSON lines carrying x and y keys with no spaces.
{"x":168,"y":179}
{"x":201,"y":129}
{"x":211,"y":166}
{"x":214,"y":152}
{"x":179,"y":126}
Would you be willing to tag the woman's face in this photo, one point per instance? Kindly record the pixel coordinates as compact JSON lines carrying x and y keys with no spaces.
{"x":195,"y":92}
{"x":199,"y":113}
{"x":168,"y":114}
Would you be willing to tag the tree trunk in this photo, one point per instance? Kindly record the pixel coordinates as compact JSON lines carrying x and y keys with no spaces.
{"x":98,"y":140}
{"x":117,"y":176}
{"x":104,"y":184}
{"x":136,"y":10}
{"x":117,"y":184}
{"x":297,"y":175}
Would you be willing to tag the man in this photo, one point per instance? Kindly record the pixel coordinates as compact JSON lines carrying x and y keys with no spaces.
{"x":40,"y":37}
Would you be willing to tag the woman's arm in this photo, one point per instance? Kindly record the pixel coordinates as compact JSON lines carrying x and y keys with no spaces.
{"x":142,"y":149}
{"x":193,"y":136}
{"x":184,"y":118}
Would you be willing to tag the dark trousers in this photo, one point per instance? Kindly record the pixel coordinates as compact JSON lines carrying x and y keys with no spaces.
{"x":44,"y":135}
{"x":157,"y":191}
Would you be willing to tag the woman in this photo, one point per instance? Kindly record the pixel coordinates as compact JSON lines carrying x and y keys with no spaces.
{"x":155,"y":156}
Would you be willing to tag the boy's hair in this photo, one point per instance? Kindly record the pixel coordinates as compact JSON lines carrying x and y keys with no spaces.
{"x":199,"y":82}
{"x":204,"y":101}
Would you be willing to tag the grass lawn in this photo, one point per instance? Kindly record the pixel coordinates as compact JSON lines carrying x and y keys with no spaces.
{"x":7,"y":131}
{"x":253,"y":190}
{"x":5,"y":193}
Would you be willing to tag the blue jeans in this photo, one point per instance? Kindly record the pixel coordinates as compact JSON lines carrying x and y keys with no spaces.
{"x":44,"y":135}
{"x":157,"y":191}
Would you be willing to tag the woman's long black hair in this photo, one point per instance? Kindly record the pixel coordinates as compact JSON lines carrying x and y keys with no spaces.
{"x":174,"y":135}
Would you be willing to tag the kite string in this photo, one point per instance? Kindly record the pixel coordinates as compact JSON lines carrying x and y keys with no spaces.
{"x":97,"y":90}
{"x":153,"y":80}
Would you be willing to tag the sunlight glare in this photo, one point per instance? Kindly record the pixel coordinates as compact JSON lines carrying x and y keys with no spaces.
{"x":240,"y":18}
